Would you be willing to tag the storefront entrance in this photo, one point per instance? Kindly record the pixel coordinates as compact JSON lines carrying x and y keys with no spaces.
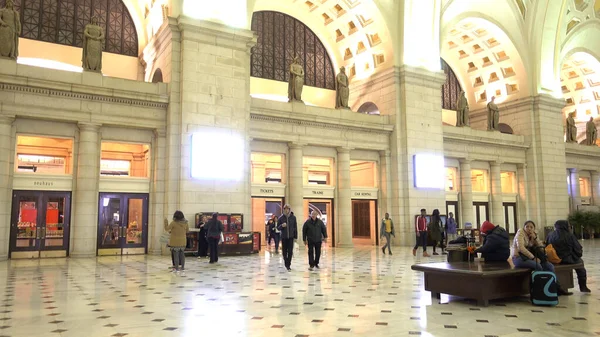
{"x":123,"y":224}
{"x":40,"y":224}
{"x":364,"y":222}
{"x":480,"y":211}
{"x":324,"y":208}
{"x":262,"y":210}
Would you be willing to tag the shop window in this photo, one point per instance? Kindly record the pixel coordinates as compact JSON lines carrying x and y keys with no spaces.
{"x":479,"y":180}
{"x":363,"y":173}
{"x":267,"y":168}
{"x":584,"y":187}
{"x":508,"y":182}
{"x":43,"y":155}
{"x":125,"y":160}
{"x":451,"y":181}
{"x":317,"y":171}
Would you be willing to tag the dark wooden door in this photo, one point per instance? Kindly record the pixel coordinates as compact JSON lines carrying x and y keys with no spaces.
{"x":361,"y":219}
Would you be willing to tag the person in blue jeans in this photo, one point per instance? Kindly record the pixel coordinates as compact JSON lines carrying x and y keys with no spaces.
{"x":525,"y":246}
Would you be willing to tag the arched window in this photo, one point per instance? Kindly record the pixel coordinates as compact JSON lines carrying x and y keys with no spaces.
{"x":369,"y":108}
{"x":280,"y":39}
{"x":63,"y":21}
{"x":157,"y":77}
{"x":451,"y":89}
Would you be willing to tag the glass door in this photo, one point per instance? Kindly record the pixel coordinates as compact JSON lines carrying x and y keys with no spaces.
{"x":324,"y":208}
{"x":40,"y":224}
{"x":122,"y":224}
{"x":480,"y":211}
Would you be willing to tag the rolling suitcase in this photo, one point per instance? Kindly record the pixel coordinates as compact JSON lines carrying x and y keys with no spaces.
{"x":544,"y":290}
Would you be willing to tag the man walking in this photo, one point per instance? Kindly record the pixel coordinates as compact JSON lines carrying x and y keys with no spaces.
{"x":314,"y":233}
{"x":421,"y":232}
{"x":387,"y":230}
{"x":287,"y":226}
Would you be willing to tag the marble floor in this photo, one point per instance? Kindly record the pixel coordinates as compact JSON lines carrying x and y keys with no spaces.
{"x":356,"y":292}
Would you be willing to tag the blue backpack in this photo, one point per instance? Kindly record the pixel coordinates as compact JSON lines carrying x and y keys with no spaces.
{"x":543,"y":288}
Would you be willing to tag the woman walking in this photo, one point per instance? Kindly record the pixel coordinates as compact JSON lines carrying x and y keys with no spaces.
{"x":178,"y":229}
{"x":435,"y":229}
{"x":214,"y":228}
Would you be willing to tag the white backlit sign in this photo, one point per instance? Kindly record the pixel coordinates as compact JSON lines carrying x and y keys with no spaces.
{"x":217,"y":155}
{"x":230,"y":12}
{"x":429,"y":171}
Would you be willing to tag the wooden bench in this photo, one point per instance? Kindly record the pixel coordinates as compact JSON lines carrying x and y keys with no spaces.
{"x":484,"y":281}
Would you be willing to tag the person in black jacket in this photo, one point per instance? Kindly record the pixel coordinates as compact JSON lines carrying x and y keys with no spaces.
{"x":214,"y":229}
{"x":569,"y":250}
{"x":287,"y":226}
{"x":496,"y":244}
{"x":314,"y":233}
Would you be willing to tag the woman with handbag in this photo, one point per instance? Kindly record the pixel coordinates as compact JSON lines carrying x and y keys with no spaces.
{"x":529,"y":252}
{"x":214,"y":232}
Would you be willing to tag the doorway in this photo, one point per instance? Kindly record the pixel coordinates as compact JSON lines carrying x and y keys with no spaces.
{"x":480,"y":211}
{"x":364,"y":222}
{"x":40,"y":224}
{"x":122,"y":224}
{"x":452,"y":207}
{"x":324,"y":208}
{"x":262,"y":210}
{"x":510,"y":217}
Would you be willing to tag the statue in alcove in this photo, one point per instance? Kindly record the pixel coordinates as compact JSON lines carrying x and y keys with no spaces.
{"x":296,"y":80}
{"x":591,"y":132}
{"x":571,"y":134}
{"x":493,"y":115}
{"x":93,"y":41}
{"x":462,"y":110}
{"x":342,"y":92}
{"x":10,"y":29}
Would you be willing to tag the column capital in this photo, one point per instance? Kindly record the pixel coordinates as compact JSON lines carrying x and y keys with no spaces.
{"x":521,"y":165}
{"x":595,"y":173}
{"x":86,"y":126}
{"x":573,"y":170}
{"x":160,"y":132}
{"x":6,"y":120}
{"x":496,"y":163}
{"x":466,"y":160}
{"x":296,"y":145}
{"x":343,"y":149}
{"x":385,"y":153}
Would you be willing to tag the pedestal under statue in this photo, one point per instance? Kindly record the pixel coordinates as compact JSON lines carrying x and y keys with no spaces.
{"x":10,"y":29}
{"x":296,"y":82}
{"x":342,"y":91}
{"x":93,"y":41}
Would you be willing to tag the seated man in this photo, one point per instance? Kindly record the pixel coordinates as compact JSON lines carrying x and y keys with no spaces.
{"x":569,"y":250}
{"x":496,"y":245}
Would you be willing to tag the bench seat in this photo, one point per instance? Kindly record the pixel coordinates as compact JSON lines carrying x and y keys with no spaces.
{"x":484,"y":281}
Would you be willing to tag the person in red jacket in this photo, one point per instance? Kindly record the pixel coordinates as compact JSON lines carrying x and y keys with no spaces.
{"x":421,"y":232}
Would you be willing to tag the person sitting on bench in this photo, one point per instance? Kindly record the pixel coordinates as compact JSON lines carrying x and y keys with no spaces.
{"x":569,"y":250}
{"x":496,"y":244}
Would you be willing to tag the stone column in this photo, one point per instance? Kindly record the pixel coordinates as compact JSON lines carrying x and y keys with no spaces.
{"x":296,"y":184}
{"x":5,"y":183}
{"x":157,"y":214}
{"x":595,"y":188}
{"x":344,"y":198}
{"x":466,"y":193}
{"x":84,"y":222}
{"x":385,"y":173}
{"x":523,"y":213}
{"x":497,"y":217}
{"x":574,"y":190}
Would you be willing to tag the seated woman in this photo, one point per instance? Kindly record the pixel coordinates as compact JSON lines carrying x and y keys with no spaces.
{"x":496,"y":244}
{"x":525,"y":245}
{"x":569,"y":250}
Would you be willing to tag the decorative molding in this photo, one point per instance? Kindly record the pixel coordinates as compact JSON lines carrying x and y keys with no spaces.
{"x":283,"y":120}
{"x":6,"y":120}
{"x":81,"y":96}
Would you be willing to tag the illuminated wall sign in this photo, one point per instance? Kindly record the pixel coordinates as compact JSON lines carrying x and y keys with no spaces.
{"x":268,"y":190}
{"x":229,"y":12}
{"x":429,"y":171}
{"x":217,"y":155}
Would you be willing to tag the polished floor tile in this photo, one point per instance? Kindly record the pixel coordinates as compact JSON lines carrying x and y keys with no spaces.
{"x":357,"y":292}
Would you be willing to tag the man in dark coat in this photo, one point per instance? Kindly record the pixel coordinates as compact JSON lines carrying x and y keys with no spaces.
{"x":569,"y":250}
{"x":287,"y":225}
{"x":496,"y":244}
{"x":314,"y":233}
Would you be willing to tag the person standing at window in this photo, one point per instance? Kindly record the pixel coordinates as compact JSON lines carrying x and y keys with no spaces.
{"x":289,"y":233}
{"x":421,"y":232}
{"x":214,"y":229}
{"x":178,"y":229}
{"x":387,"y":231}
{"x":314,"y":233}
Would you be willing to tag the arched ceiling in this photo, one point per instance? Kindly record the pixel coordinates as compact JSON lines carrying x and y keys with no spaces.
{"x":353,"y":31}
{"x":580,"y":83}
{"x":485,"y":61}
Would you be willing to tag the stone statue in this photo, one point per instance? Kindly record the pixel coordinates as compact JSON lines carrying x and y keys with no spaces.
{"x":591,"y":132}
{"x":93,"y":40}
{"x":10,"y":29}
{"x":342,"y":91}
{"x":296,"y":80}
{"x":462,"y":110}
{"x":571,"y":129}
{"x":493,"y":115}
